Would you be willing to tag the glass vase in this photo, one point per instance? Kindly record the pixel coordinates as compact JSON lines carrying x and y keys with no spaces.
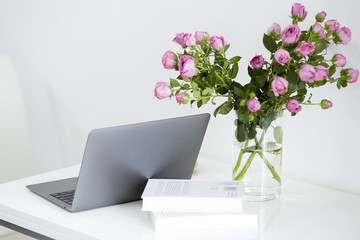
{"x":257,"y":161}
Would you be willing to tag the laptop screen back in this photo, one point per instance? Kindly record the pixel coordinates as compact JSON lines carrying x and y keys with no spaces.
{"x":118,"y":161}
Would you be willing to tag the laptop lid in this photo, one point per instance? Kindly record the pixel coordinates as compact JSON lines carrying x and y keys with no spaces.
{"x":118,"y":161}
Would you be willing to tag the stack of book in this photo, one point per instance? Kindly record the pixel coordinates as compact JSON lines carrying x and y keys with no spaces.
{"x":178,"y":205}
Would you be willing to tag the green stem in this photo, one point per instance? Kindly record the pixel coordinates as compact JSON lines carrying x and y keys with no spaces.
{"x":238,"y":162}
{"x":221,"y":79}
{"x":251,"y":157}
{"x":271,"y":167}
{"x":246,"y":166}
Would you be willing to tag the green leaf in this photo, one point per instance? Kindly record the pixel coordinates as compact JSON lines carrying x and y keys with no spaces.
{"x":238,"y":90}
{"x":332,"y":70}
{"x":234,"y":59}
{"x":324,"y":64}
{"x":194,"y":85}
{"x":280,"y":69}
{"x":226,"y":47}
{"x":258,"y":81}
{"x":226,"y":108}
{"x":234,"y":70}
{"x":269,"y":43}
{"x":197,"y":94}
{"x":185,"y":87}
{"x":199,"y":103}
{"x":174,"y":83}
{"x":320,"y":46}
{"x":240,"y":132}
{"x":205,"y":100}
{"x":294,"y":81}
{"x":252,"y":131}
{"x":222,"y":90}
{"x":278,"y":134}
{"x":205,"y":92}
{"x":211,"y":78}
{"x":256,"y":72}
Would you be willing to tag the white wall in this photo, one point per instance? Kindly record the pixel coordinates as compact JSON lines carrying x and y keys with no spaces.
{"x":89,"y":64}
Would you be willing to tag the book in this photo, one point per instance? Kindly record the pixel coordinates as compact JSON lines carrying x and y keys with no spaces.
{"x":161,"y":195}
{"x":190,"y":221}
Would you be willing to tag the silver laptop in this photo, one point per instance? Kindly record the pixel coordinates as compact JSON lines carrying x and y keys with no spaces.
{"x":118,"y":161}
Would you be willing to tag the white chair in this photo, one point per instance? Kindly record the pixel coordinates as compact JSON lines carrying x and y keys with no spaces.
{"x":16,"y":155}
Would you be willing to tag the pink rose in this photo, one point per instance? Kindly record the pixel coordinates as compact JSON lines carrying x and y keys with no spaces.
{"x":307,"y":73}
{"x":217,"y":42}
{"x":179,"y":38}
{"x":317,"y":28}
{"x":199,"y":35}
{"x":291,"y":34}
{"x":354,"y":73}
{"x":185,"y":39}
{"x":305,"y":48}
{"x":340,"y":60}
{"x":257,"y":61}
{"x":333,"y":25}
{"x":168,"y":60}
{"x":279,"y":85}
{"x":253,"y":105}
{"x":275,"y":27}
{"x":189,"y":40}
{"x":187,"y":66}
{"x":344,"y":34}
{"x":320,"y":17}
{"x":321,"y":73}
{"x":298,"y":10}
{"x":282,"y":56}
{"x":326,"y":104}
{"x":180,"y":97}
{"x":293,"y":106}
{"x":162,"y":90}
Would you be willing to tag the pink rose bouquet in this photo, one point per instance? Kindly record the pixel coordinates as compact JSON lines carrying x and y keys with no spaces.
{"x":297,"y":63}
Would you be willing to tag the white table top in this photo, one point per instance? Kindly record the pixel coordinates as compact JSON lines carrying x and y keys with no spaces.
{"x":304,"y":211}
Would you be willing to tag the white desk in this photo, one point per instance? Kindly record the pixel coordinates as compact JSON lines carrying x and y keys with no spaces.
{"x":304,"y":211}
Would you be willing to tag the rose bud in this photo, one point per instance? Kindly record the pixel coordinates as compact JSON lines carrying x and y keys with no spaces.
{"x":257,"y":61}
{"x":307,"y":73}
{"x":332,"y":24}
{"x":282,"y":56}
{"x":199,"y":35}
{"x":179,"y":38}
{"x":168,"y":60}
{"x":291,"y":34}
{"x":298,"y":10}
{"x":293,"y":106}
{"x":326,"y":104}
{"x":217,"y":42}
{"x":279,"y":85}
{"x":253,"y":105}
{"x":274,"y":28}
{"x":344,"y":34}
{"x":162,"y":90}
{"x":187,"y":66}
{"x":321,"y":73}
{"x":354,"y":73}
{"x":339,"y":60}
{"x":318,"y":28}
{"x":180,"y":97}
{"x":189,"y":40}
{"x":305,"y":48}
{"x":320,"y":17}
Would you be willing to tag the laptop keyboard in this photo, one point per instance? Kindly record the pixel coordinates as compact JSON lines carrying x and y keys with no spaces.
{"x":66,"y":197}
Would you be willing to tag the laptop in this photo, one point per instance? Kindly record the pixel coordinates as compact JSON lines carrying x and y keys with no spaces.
{"x":118,"y":161}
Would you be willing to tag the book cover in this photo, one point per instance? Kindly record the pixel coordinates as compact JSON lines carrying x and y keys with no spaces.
{"x":193,"y":196}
